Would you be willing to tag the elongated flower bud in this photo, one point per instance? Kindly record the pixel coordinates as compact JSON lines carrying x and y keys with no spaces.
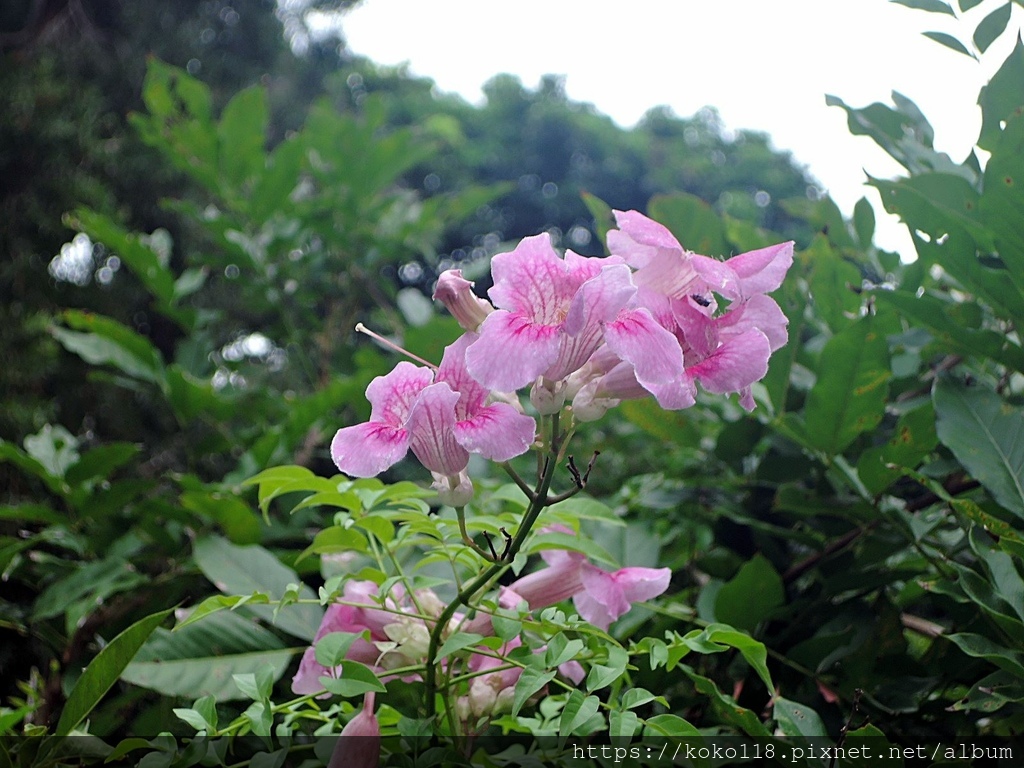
{"x":456,"y":293}
{"x":359,"y":743}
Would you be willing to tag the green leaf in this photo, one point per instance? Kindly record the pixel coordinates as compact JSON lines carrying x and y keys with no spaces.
{"x":850,"y":393}
{"x":244,"y":570}
{"x":330,"y":650}
{"x":560,"y":650}
{"x":139,"y":257}
{"x":949,"y":41}
{"x":933,"y":6}
{"x":991,"y":27}
{"x":356,"y":679}
{"x":100,"y":462}
{"x":797,"y":719}
{"x":671,"y":726}
{"x":241,"y":135}
{"x":457,"y":642}
{"x":864,"y":222}
{"x":91,"y":583}
{"x":636,"y":697}
{"x":101,"y":341}
{"x":693,"y":222}
{"x":913,"y":439}
{"x":1003,"y":196}
{"x":531,"y":681}
{"x":935,"y":203}
{"x":577,"y":711}
{"x":622,"y":725}
{"x":602,"y":213}
{"x":1000,"y":98}
{"x":939,"y":317}
{"x":751,"y":596}
{"x":983,"y":432}
{"x":720,"y":637}
{"x":603,"y":675}
{"x":104,"y":670}
{"x":966,"y":5}
{"x":981,"y":647}
{"x":203,"y":658}
{"x":832,"y":284}
{"x":218,"y":603}
{"x":336,"y":539}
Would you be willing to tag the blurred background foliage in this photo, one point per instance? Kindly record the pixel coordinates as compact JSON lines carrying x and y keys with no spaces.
{"x":195,"y":211}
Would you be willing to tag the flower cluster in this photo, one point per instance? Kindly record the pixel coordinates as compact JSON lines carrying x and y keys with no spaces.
{"x":399,"y":627}
{"x":651,"y":319}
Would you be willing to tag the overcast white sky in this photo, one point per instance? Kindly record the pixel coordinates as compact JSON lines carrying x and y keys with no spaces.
{"x":766,"y":65}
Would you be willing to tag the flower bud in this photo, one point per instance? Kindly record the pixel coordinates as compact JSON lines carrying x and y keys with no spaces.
{"x":453,"y":490}
{"x":547,"y":396}
{"x":359,"y":743}
{"x":456,"y":293}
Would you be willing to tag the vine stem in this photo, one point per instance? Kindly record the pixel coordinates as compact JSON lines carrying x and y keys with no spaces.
{"x":538,"y":501}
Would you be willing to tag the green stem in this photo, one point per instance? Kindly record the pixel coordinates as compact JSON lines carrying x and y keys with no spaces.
{"x":537,"y":504}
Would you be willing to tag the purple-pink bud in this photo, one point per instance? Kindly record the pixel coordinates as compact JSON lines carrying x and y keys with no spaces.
{"x":359,"y":743}
{"x":456,"y":293}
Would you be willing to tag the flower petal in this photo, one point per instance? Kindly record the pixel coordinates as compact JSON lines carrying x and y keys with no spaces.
{"x":601,"y":602}
{"x":738,"y":363}
{"x":392,"y":395}
{"x":431,"y":424}
{"x":652,"y":350}
{"x":640,"y":584}
{"x":497,"y":432}
{"x":512,"y":351}
{"x":366,"y":450}
{"x":762,"y":270}
{"x":452,"y":371}
{"x":531,"y":281}
{"x":638,"y":238}
{"x":760,"y":312}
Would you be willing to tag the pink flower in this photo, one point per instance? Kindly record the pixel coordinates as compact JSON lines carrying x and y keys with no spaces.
{"x":354,"y":619}
{"x":600,"y":597}
{"x":545,"y":325}
{"x":442,"y":418}
{"x":359,"y":743}
{"x":726,"y":352}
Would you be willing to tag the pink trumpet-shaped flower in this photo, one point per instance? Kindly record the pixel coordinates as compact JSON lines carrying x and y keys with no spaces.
{"x":359,"y":743}
{"x":599,"y":596}
{"x":726,"y":352}
{"x":354,"y":619}
{"x":544,"y":325}
{"x":442,"y":418}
